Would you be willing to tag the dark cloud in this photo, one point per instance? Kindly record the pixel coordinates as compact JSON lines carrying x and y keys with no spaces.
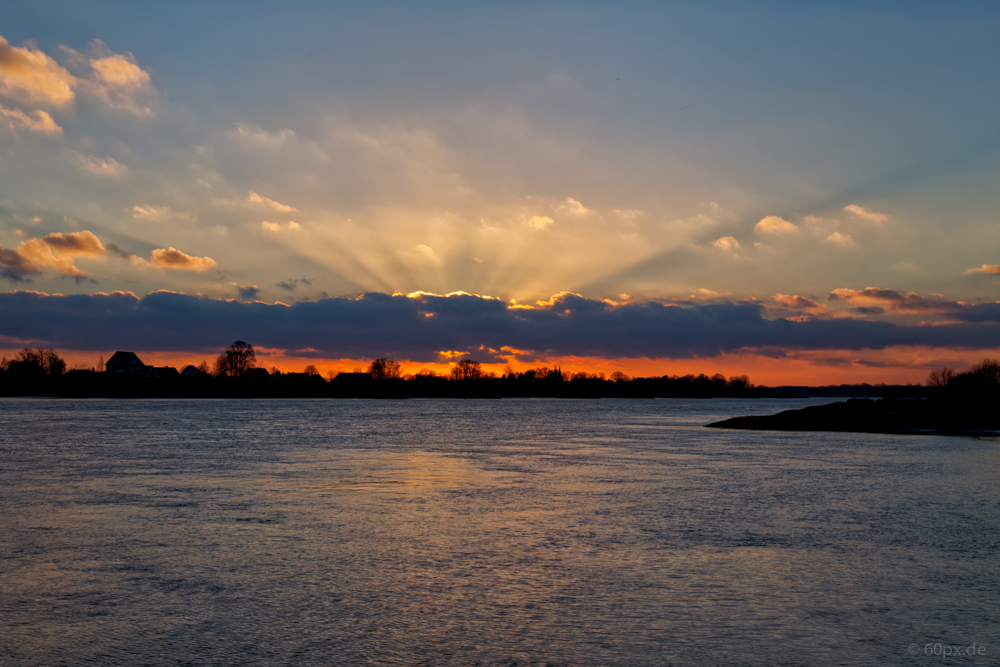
{"x":16,"y":268}
{"x":880,"y":301}
{"x":418,"y":329}
{"x":292,"y":283}
{"x":122,"y":254}
{"x":248,"y":292}
{"x":890,"y":298}
{"x":875,"y":364}
{"x":981,"y":312}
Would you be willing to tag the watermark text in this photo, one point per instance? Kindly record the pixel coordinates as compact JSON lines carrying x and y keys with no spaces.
{"x":948,"y":650}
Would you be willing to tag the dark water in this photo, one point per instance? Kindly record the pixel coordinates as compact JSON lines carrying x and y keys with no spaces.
{"x":446,"y":532}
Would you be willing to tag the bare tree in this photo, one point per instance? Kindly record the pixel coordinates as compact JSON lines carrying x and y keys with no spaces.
{"x":940,"y":377}
{"x":619,"y":377}
{"x":45,"y":359}
{"x":311,"y":370}
{"x":236,"y":360}
{"x":467,"y":369}
{"x":384,"y":369}
{"x":988,"y":370}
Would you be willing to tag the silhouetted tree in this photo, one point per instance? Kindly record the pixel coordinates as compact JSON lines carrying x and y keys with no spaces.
{"x":619,"y":378}
{"x":39,"y":362}
{"x":988,"y":370}
{"x":384,"y":369}
{"x":467,"y":369}
{"x":549,"y":374}
{"x":236,"y":360}
{"x":311,"y":370}
{"x":940,"y":377}
{"x":981,"y":380}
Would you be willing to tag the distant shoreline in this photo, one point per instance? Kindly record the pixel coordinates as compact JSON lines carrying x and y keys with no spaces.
{"x":969,"y":417}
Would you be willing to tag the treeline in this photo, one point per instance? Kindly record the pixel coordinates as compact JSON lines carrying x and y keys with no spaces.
{"x":965,"y":403}
{"x":41,"y":372}
{"x":235,"y":373}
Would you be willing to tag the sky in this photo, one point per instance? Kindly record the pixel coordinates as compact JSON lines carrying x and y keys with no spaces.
{"x":804,"y":192}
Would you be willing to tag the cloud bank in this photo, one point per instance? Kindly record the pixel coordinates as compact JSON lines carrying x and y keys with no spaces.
{"x":421,"y":327}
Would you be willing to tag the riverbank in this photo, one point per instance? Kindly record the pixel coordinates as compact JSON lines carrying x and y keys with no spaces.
{"x":915,"y":416}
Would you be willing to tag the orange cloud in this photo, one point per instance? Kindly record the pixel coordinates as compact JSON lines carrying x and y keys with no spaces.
{"x":16,"y":267}
{"x":989,"y":269}
{"x":840,"y":239}
{"x":75,"y":243}
{"x":726,"y":243}
{"x":54,"y":250}
{"x":540,"y":221}
{"x":40,"y":253}
{"x":797,"y":302}
{"x":257,"y":199}
{"x":114,"y":79}
{"x":875,"y":299}
{"x":865,"y":214}
{"x":119,"y":72}
{"x":36,"y":121}
{"x":553,"y":300}
{"x":573,"y":206}
{"x":171,"y":258}
{"x":773,"y":224}
{"x":277,"y":226}
{"x":29,"y":76}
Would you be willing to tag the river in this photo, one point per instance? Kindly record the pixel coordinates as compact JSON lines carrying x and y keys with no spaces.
{"x":487,"y":532}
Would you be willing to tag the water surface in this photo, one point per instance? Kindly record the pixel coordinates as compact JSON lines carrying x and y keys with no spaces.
{"x":451,"y":532}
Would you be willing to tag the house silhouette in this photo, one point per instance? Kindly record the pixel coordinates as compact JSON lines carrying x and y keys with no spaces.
{"x":125,"y":364}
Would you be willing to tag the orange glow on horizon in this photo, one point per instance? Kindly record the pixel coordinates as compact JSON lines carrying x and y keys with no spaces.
{"x":816,"y":368}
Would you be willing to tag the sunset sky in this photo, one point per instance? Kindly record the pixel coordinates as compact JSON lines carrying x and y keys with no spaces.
{"x":805,"y":192}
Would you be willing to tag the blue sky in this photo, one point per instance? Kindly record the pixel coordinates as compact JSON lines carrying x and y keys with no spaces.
{"x":695,"y":152}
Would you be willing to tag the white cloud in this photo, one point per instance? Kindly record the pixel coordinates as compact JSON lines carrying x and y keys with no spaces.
{"x":101,"y":166}
{"x":151,"y":213}
{"x":256,"y":137}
